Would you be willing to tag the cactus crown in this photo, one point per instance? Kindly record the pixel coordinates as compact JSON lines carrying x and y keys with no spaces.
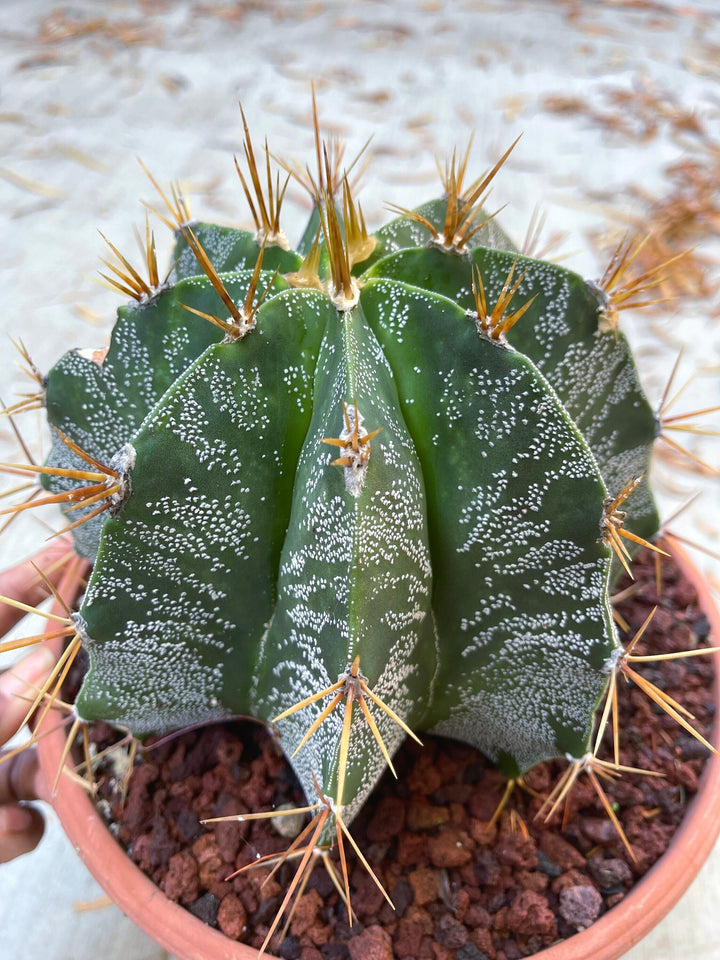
{"x":364,"y":490}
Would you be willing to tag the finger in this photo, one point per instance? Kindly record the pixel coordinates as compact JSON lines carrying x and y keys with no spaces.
{"x":21,"y":829}
{"x":23,"y":583}
{"x":17,"y":684}
{"x":21,"y":778}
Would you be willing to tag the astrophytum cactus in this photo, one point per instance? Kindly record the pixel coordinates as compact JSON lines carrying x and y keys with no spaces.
{"x":366,"y":490}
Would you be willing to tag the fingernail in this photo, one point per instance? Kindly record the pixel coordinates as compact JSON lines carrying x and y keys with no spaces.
{"x":27,"y":671}
{"x":15,"y":819}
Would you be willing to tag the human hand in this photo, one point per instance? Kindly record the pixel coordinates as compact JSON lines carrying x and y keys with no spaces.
{"x":21,"y":825}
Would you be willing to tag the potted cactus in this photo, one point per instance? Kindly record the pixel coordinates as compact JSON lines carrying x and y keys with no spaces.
{"x":373,"y":487}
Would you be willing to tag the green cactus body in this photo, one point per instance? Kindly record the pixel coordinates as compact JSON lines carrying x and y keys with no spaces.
{"x":277,"y":568}
{"x":100,"y":402}
{"x":514,"y":506}
{"x":184,"y":581}
{"x":360,"y":498}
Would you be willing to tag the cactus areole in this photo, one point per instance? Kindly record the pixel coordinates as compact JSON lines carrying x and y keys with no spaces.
{"x":358,"y":492}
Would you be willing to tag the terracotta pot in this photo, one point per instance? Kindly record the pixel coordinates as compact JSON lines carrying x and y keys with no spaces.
{"x":181,"y":933}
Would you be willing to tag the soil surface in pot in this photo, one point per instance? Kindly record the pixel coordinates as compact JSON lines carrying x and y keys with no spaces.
{"x":463,"y":889}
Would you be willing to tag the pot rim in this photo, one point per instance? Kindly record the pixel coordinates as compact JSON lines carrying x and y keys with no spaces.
{"x":183,"y":934}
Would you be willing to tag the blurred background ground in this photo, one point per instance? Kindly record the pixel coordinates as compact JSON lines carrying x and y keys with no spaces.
{"x":619,"y":107}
